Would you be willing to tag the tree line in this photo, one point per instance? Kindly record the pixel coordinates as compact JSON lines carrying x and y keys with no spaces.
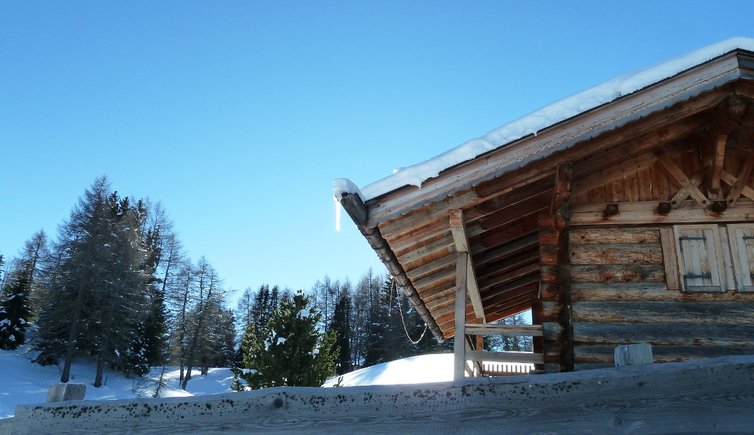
{"x":116,"y":286}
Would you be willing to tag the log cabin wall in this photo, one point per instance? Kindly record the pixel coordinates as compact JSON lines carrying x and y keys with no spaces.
{"x":620,"y":295}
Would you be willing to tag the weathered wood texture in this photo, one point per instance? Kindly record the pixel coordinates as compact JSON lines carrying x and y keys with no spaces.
{"x":555,"y":291}
{"x":619,"y":296}
{"x":701,"y":397}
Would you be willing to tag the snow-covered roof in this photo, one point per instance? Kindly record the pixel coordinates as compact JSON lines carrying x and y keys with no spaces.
{"x":543,"y":118}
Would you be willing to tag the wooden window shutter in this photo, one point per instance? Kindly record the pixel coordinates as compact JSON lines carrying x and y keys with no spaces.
{"x":699,"y":258}
{"x":742,"y":250}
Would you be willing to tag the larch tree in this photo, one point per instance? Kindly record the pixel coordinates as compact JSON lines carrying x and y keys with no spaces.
{"x":95,"y":300}
{"x":210,"y":294}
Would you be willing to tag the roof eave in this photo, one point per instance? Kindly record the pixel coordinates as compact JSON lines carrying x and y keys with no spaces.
{"x":734,"y":65}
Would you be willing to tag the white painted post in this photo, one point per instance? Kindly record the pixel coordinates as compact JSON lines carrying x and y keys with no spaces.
{"x":633,"y":355}
{"x":459,"y":347}
{"x":65,"y":392}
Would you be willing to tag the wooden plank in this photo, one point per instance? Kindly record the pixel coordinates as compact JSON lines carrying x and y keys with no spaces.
{"x":445,"y":262}
{"x":400,"y":242}
{"x":508,"y":277}
{"x":644,"y":177}
{"x":717,"y":166}
{"x":642,"y":291}
{"x":520,"y":245}
{"x":720,"y":313}
{"x":630,"y":187}
{"x":414,"y":254}
{"x":439,"y":277}
{"x":505,"y":265}
{"x":460,"y":316}
{"x":616,"y":254}
{"x":618,"y":273}
{"x":662,"y":354}
{"x":612,"y":173}
{"x":643,"y":213}
{"x":624,"y":235}
{"x":670,"y":260}
{"x":457,"y":228}
{"x":664,"y":334}
{"x":516,"y":357}
{"x":661,"y":185}
{"x":504,"y":330}
{"x":502,"y":235}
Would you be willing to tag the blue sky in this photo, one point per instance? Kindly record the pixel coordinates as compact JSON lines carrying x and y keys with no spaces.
{"x":237,"y":116}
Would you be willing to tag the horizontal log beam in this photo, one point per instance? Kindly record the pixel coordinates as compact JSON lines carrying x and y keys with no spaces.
{"x":713,"y":313}
{"x":504,"y":330}
{"x":645,"y":213}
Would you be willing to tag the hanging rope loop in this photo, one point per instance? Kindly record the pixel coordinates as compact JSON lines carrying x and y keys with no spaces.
{"x":403,"y":321}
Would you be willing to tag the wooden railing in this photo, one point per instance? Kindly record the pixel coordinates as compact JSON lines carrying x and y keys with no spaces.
{"x":505,"y":363}
{"x":506,"y":369}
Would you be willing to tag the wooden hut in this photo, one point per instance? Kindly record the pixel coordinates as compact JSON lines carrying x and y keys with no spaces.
{"x":626,"y":216}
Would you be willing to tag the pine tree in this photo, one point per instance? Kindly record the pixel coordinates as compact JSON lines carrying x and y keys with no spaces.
{"x":258,"y":312}
{"x":15,"y":310}
{"x":341,"y":327}
{"x":291,"y":351}
{"x":2,"y":274}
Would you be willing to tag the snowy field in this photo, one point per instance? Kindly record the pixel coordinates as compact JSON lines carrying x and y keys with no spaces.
{"x":23,"y":382}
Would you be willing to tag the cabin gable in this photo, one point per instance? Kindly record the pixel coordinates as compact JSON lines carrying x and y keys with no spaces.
{"x":631,"y":222}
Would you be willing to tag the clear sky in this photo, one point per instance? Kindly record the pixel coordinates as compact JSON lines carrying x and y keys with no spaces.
{"x":237,"y":115}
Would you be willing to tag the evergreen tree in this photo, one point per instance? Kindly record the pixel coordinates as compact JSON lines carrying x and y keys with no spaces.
{"x":156,"y":240}
{"x":2,"y":274}
{"x":15,"y":310}
{"x":263,"y":304}
{"x":95,"y":299}
{"x":341,"y":326}
{"x":292,"y":351}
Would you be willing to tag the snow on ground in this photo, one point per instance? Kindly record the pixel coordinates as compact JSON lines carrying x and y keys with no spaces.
{"x":413,"y":370}
{"x":24,"y":382}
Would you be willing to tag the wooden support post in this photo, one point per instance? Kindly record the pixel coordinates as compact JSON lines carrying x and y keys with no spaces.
{"x":554,"y":289}
{"x":459,"y":347}
{"x":458,"y":229}
{"x":717,"y":167}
